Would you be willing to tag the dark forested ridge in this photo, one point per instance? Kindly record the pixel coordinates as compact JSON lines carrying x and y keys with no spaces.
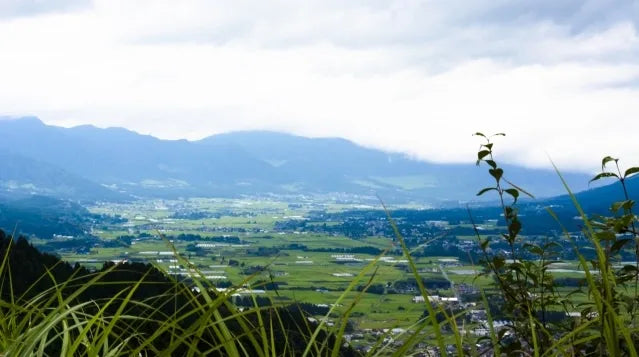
{"x":33,"y":273}
{"x":45,"y":216}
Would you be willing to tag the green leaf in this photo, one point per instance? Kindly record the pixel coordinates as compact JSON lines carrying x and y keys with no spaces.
{"x":492,"y":163}
{"x":513,"y":192}
{"x":502,"y":332}
{"x":488,"y":146}
{"x":499,"y":262}
{"x":551,"y":245}
{"x":509,"y":211}
{"x":479,"y":134}
{"x":606,"y":235}
{"x":626,"y":205}
{"x":482,"y":154}
{"x":499,"y":134}
{"x":631,"y":171}
{"x":602,"y":175}
{"x":496,"y":173}
{"x":484,"y":190}
{"x":624,"y":222}
{"x":618,"y":245}
{"x":514,"y":228}
{"x":606,"y":160}
{"x":520,"y":189}
{"x":534,"y":249}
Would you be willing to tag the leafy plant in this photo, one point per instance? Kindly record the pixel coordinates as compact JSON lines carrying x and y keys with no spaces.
{"x":619,"y":230}
{"x":527,"y":290}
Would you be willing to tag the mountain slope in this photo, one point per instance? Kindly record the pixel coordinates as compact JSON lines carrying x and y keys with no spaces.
{"x":44,"y":216}
{"x":22,"y":176}
{"x":116,"y":154}
{"x":255,"y":163}
{"x":342,"y":162}
{"x":598,"y":200}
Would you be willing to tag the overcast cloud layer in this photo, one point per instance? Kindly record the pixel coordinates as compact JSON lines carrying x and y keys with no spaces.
{"x":561,"y":78}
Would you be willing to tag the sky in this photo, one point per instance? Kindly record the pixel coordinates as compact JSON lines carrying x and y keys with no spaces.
{"x":560,"y":78}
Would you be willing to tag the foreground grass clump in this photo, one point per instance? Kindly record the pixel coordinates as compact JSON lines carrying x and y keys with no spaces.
{"x":48,"y":307}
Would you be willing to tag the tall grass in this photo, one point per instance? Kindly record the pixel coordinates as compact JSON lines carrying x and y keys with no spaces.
{"x":193,"y":318}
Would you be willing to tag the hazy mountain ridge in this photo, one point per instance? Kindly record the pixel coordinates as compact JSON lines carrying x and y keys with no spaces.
{"x":22,"y":176}
{"x":598,"y":200}
{"x":254,"y":162}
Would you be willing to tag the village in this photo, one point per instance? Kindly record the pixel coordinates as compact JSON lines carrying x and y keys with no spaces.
{"x":283,"y":253}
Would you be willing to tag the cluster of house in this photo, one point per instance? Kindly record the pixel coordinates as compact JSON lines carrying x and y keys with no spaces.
{"x":461,"y":290}
{"x":435,"y":299}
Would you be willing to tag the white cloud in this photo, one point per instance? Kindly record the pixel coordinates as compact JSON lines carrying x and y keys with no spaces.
{"x":18,"y":8}
{"x":417,"y":77}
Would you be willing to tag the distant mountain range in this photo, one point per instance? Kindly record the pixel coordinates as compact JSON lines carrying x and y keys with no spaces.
{"x":21,"y":176}
{"x":598,"y":200}
{"x":87,"y":163}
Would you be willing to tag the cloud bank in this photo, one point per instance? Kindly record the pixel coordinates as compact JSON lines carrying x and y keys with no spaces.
{"x":561,"y":78}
